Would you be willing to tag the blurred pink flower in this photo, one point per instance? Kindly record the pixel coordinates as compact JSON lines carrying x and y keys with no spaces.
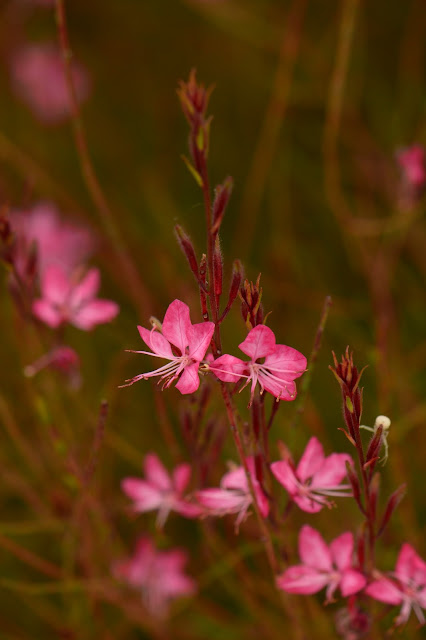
{"x":161,"y":490}
{"x":412,"y":161}
{"x":323,"y":566}
{"x":407,"y":586}
{"x":63,"y":359}
{"x":234,"y":495}
{"x":56,"y":241}
{"x":178,"y":334}
{"x":314,"y":478}
{"x":276,"y":374}
{"x":38,"y":79}
{"x":66,"y":300}
{"x":157,"y":574}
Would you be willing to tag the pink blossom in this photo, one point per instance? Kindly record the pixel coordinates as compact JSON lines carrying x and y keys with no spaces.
{"x":56,"y":241}
{"x":234,"y":495}
{"x":66,"y":300}
{"x":407,"y":586}
{"x":182,"y":343}
{"x":276,"y":374}
{"x":159,"y":575}
{"x":323,"y":566}
{"x":63,"y":359}
{"x":314,"y":478}
{"x":38,"y":78}
{"x":412,"y":161}
{"x":161,"y":490}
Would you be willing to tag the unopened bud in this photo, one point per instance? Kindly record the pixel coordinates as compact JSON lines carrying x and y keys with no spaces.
{"x":221,"y":199}
{"x":187,"y":247}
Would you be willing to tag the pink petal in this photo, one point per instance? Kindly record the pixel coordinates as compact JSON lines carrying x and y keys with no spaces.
{"x":281,"y":389}
{"x":341,"y":550}
{"x":262,"y":500}
{"x":332,"y":471}
{"x":199,"y":338}
{"x":189,"y":380}
{"x":259,"y":342}
{"x":176,"y":324}
{"x":410,"y":565}
{"x":44,"y":311}
{"x":385,"y":591}
{"x":181,"y":477}
{"x":302,"y":579}
{"x":307,"y":504}
{"x":156,"y":342}
{"x":144,"y":494}
{"x":352,"y":581}
{"x":156,"y":473}
{"x":286,"y":363}
{"x":220,"y":501}
{"x":86,"y":289}
{"x":313,"y":551}
{"x":187,"y":509}
{"x":94,"y":313}
{"x":228,"y":368}
{"x":311,"y":460}
{"x":285,"y":475}
{"x":55,"y":286}
{"x":235,"y":479}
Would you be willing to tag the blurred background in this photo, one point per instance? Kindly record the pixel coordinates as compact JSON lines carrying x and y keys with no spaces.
{"x":314,"y":105}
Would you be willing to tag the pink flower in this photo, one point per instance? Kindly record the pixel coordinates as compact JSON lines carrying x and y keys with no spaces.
{"x":275,"y":374}
{"x":412,"y":161}
{"x":66,"y":300}
{"x":38,"y":78}
{"x":314,"y":478}
{"x":158,"y":575}
{"x":234,"y":495}
{"x":63,"y":359}
{"x":323,"y":566}
{"x":160,"y":490}
{"x":182,"y":343}
{"x":408,"y":586}
{"x":56,"y":241}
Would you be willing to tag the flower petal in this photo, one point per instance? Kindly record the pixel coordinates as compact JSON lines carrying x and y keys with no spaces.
{"x":86,"y":289}
{"x":352,"y":581}
{"x":384,"y":590}
{"x":285,"y":475}
{"x":47,"y":313}
{"x":199,"y":337}
{"x":311,"y":460}
{"x":94,"y":313}
{"x":259,"y":343}
{"x":156,"y":342}
{"x":189,"y":380}
{"x":156,"y":473}
{"x":341,"y":550}
{"x":222,"y":501}
{"x":313,"y":551}
{"x":55,"y":285}
{"x":228,"y":368}
{"x":302,"y":579}
{"x":146,"y":496}
{"x":410,"y":565}
{"x":176,"y":324}
{"x":332,"y":471}
{"x":181,"y":477}
{"x":286,"y":363}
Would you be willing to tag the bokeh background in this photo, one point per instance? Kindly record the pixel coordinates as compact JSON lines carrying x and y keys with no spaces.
{"x":312,"y":101}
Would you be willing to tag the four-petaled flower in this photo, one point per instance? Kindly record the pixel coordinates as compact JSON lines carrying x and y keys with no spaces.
{"x":159,"y":575}
{"x":323,"y":566}
{"x":407,"y":586}
{"x":182,"y":343}
{"x":314,"y":478}
{"x":160,"y":490}
{"x":66,"y":300}
{"x":234,"y":495}
{"x":276,"y":374}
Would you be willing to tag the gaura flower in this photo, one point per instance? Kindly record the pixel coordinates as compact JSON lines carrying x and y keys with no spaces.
{"x":407,"y":585}
{"x":276,"y":374}
{"x":66,"y":300}
{"x":159,"y":575}
{"x":161,"y":490}
{"x":315,"y":477}
{"x":323,"y":566}
{"x":182,"y":343}
{"x":234,"y":495}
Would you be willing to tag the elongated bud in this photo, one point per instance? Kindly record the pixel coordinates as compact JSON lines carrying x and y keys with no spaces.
{"x":203,"y":287}
{"x":360,"y":549}
{"x":348,"y":377}
{"x":237,"y":276}
{"x":392,"y":504}
{"x":221,"y":199}
{"x":217,"y":269}
{"x":374,"y":446}
{"x":187,"y":247}
{"x":251,"y":307}
{"x":354,"y":482}
{"x":258,"y":468}
{"x":374,"y":494}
